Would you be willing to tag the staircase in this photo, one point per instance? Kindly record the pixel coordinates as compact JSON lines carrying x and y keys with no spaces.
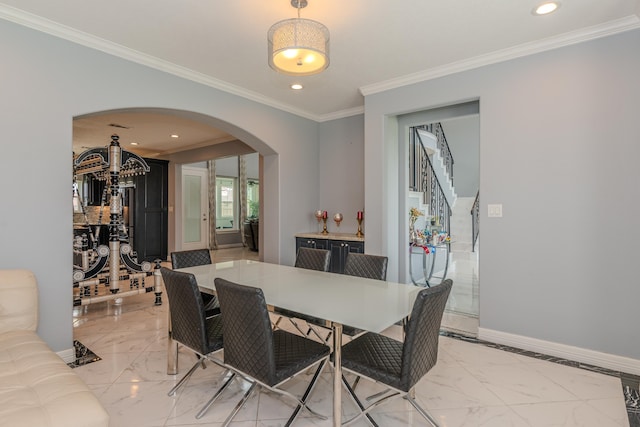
{"x":431,"y":172}
{"x":430,"y":144}
{"x":461,"y":225}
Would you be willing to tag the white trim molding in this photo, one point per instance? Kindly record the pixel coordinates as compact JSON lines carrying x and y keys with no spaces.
{"x":88,"y":40}
{"x":568,"y":352}
{"x":613,"y":27}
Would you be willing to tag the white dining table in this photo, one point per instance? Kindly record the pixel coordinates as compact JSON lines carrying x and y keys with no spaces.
{"x":367,"y":304}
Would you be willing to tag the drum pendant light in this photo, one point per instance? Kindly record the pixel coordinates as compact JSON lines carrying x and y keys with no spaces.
{"x":298,"y":47}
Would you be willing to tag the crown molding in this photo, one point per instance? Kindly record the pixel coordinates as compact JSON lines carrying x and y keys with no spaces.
{"x":598,"y":31}
{"x":341,"y":114}
{"x":79,"y":37}
{"x":67,"y":33}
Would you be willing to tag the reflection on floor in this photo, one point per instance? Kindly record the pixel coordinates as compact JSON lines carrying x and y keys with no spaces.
{"x":461,"y":315}
{"x":472,"y":384}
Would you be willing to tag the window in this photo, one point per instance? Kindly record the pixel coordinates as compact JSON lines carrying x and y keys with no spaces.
{"x":226,"y":202}
{"x":253,"y":202}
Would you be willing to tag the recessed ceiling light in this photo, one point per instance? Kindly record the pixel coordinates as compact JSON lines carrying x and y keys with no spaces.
{"x":134,"y":143}
{"x":546,"y":8}
{"x":296,"y":86}
{"x":173,"y":135}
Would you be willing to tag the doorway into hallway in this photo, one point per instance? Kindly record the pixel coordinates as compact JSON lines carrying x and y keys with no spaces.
{"x":443,"y":185}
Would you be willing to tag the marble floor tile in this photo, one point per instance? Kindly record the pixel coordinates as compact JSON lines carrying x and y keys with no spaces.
{"x":489,"y":416}
{"x":518,"y":384}
{"x":565,"y":414}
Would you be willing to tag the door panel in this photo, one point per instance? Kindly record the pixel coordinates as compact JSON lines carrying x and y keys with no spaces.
{"x":195,"y":209}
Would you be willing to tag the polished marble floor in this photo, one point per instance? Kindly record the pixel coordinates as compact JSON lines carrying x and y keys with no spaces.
{"x":472,"y":384}
{"x":461,"y":313}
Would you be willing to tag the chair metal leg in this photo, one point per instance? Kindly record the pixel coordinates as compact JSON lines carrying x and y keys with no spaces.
{"x":306,"y":394}
{"x":377,"y":395}
{"x":317,"y":334}
{"x":357,"y":401}
{"x":277,"y":323}
{"x":184,"y":379}
{"x":239,"y":405}
{"x":293,"y":322}
{"x":421,"y":411}
{"x":355,"y":383}
{"x":206,"y":407}
{"x":363,"y":411}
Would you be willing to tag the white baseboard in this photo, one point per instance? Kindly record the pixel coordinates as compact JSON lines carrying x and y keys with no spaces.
{"x":68,"y":355}
{"x":576,"y":354}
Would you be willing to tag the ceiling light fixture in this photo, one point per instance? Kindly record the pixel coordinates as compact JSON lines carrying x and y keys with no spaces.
{"x":546,"y":8}
{"x":298,"y":47}
{"x":173,"y":135}
{"x":296,"y":86}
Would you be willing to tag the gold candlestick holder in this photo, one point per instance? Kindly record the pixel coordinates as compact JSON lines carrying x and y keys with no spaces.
{"x":324,"y":227}
{"x":360,"y":233}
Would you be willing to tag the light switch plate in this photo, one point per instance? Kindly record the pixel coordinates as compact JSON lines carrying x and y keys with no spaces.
{"x":494,"y":211}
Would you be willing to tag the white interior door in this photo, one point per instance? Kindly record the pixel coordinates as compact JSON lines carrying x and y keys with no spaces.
{"x":195,"y":209}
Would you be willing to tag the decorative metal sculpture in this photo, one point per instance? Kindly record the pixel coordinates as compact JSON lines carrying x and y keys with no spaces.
{"x":109,"y":164}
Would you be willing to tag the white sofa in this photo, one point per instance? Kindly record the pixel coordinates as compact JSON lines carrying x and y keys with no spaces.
{"x":37,"y":388}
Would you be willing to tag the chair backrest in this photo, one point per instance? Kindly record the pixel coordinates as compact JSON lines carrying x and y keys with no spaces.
{"x":420,"y":351}
{"x":184,"y":259}
{"x":186,"y":309}
{"x":313,"y":259}
{"x":246,"y":327}
{"x":365,"y":265}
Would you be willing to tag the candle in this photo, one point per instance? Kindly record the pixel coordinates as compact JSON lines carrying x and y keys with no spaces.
{"x":324,"y":215}
{"x":359,"y":214}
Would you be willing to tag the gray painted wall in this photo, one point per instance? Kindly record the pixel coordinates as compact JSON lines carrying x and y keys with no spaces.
{"x":559,"y":149}
{"x":341,"y":179}
{"x":46,"y":82}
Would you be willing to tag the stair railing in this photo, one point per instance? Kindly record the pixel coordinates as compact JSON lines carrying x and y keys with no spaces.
{"x":442,"y":144}
{"x":423,"y":179}
{"x":475,"y":221}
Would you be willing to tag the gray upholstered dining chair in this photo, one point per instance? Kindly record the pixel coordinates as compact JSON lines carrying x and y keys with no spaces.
{"x":191,"y":328}
{"x":399,"y":365}
{"x":313,"y":259}
{"x":366,"y":265}
{"x":360,"y":265}
{"x":310,"y":259}
{"x":263,"y":356}
{"x":191,"y":258}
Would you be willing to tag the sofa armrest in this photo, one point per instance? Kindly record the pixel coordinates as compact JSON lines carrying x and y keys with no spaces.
{"x":18,"y":300}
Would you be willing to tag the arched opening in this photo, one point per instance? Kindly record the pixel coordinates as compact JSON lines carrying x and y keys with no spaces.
{"x":168,"y":139}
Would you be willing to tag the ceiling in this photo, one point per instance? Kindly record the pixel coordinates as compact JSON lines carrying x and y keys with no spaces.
{"x":375,"y":44}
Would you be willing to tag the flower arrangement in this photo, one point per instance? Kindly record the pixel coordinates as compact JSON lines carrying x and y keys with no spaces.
{"x":414,"y":214}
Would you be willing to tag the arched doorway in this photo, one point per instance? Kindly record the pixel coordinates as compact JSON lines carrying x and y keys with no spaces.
{"x":179,"y":137}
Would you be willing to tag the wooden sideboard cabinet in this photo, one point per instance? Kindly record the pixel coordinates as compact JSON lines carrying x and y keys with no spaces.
{"x":339,"y":245}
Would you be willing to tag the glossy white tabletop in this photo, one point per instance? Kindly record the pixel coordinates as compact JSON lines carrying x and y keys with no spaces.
{"x":368,"y":304}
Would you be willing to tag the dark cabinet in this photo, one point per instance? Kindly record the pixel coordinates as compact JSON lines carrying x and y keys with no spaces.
{"x":150,"y":210}
{"x":305,"y":242}
{"x":339,"y":249}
